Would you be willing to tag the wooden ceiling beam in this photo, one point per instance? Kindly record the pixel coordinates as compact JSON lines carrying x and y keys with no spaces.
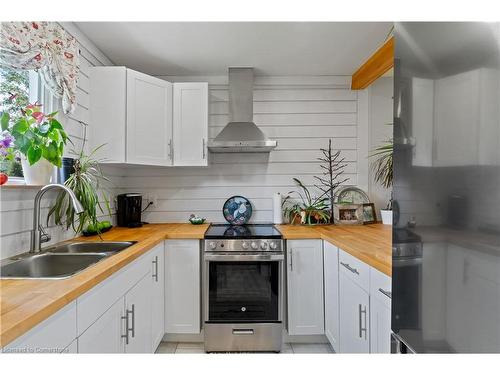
{"x":378,"y":63}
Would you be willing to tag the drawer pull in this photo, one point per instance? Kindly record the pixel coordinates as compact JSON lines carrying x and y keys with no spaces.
{"x":385,"y":293}
{"x":353,"y":270}
{"x":243,"y":332}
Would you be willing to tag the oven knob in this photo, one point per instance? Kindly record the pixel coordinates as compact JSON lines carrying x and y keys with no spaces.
{"x":254,"y":245}
{"x":244,"y":245}
{"x":273,"y":245}
{"x":212,"y":245}
{"x":263,"y":245}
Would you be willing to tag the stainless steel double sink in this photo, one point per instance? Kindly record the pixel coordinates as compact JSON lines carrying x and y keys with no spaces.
{"x":60,"y":261}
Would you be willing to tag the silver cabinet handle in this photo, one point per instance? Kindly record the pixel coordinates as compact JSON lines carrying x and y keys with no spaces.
{"x":125,"y":336}
{"x":203,"y":148}
{"x":361,"y":329}
{"x":291,"y":260}
{"x":171,"y":150}
{"x":385,"y":293}
{"x":353,"y":270}
{"x":133,"y":320}
{"x":238,"y":332}
{"x":155,"y":273}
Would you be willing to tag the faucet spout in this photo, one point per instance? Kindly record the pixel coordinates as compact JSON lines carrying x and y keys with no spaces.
{"x":38,"y":234}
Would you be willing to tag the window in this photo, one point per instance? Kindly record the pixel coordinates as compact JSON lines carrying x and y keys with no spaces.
{"x":18,"y":88}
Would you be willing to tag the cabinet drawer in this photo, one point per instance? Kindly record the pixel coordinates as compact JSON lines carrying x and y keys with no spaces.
{"x":380,"y":286}
{"x":355,"y":269}
{"x":100,"y":298}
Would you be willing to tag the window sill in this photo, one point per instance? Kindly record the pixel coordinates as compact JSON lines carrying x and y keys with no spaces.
{"x":20,"y":184}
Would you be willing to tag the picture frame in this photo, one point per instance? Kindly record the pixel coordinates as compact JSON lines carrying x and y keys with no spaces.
{"x":369,"y":213}
{"x":348,"y":214}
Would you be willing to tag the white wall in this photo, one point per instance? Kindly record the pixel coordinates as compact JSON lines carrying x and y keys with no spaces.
{"x":380,"y":95}
{"x":301,"y":113}
{"x":16,"y":203}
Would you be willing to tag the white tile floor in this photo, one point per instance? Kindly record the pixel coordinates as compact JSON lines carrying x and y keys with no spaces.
{"x":197,"y":348}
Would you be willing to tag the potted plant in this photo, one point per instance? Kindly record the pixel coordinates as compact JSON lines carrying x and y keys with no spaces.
{"x":86,"y":182}
{"x":39,"y":139}
{"x":308,"y":209}
{"x":382,"y":167}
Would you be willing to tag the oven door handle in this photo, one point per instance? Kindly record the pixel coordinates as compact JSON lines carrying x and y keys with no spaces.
{"x":238,"y":257}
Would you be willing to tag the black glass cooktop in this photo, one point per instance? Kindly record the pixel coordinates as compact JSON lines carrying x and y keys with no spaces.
{"x":227,"y":231}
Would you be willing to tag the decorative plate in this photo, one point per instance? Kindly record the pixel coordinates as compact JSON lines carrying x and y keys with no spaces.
{"x":351,"y":194}
{"x":237,"y":210}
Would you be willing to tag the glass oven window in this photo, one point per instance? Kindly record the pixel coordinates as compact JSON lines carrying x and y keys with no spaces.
{"x":243,"y":291}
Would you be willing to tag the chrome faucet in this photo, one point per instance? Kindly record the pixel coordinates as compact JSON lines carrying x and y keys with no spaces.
{"x":38,"y":234}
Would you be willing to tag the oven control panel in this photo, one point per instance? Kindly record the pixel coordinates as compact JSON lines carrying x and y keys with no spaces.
{"x":250,"y":245}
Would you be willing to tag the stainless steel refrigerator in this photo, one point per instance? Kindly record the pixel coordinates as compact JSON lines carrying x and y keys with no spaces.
{"x":446,"y":236}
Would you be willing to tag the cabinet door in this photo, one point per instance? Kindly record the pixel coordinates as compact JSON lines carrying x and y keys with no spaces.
{"x":305,"y":287}
{"x":354,"y":313}
{"x":105,"y":335}
{"x":190,"y":123}
{"x":456,"y":114}
{"x":182,"y":286}
{"x":108,"y":102}
{"x":331,"y":275}
{"x":138,"y":308}
{"x":149,"y":119}
{"x":158,"y":295}
{"x":380,"y":326}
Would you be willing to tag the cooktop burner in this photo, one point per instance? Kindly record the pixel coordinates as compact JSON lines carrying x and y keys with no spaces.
{"x":249,"y":231}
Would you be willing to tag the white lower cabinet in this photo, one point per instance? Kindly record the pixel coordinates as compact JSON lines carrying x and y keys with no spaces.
{"x":131,"y":324}
{"x":158,"y":296}
{"x":380,"y":312}
{"x":305,"y":287}
{"x":138,"y":314}
{"x":354,"y":316}
{"x":331,"y":275}
{"x":106,"y":334}
{"x":182,"y":286}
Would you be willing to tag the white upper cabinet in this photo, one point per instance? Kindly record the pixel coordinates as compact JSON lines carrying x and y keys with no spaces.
{"x":145,"y":120}
{"x":149,"y":119}
{"x":190,"y":124}
{"x":455,"y":119}
{"x":305,"y":287}
{"x":131,"y":113}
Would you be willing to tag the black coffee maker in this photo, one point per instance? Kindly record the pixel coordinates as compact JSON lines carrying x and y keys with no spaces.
{"x":129,"y":210}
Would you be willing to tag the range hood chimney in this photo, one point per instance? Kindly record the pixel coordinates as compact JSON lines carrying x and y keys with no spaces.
{"x":241,"y":134}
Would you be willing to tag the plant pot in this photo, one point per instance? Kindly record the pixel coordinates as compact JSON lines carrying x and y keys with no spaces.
{"x":40,"y":173}
{"x":386,"y":217}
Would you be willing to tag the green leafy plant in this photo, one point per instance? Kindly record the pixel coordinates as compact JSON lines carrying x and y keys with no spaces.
{"x":310,"y":210}
{"x":85,"y":182}
{"x":36,"y":134}
{"x":382,"y":166}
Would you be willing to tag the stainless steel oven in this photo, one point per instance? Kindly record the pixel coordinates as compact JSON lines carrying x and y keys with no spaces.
{"x":243,"y":294}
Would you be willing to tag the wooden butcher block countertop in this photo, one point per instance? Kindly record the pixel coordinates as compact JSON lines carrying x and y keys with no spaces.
{"x":26,"y":302}
{"x":371,"y":244}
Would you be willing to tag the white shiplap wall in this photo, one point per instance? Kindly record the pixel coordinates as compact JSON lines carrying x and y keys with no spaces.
{"x":301,"y":113}
{"x":16,"y":203}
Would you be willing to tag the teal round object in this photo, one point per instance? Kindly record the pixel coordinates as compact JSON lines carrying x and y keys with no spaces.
{"x":237,"y":210}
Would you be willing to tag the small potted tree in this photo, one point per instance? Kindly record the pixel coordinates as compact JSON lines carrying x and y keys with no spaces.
{"x":382,"y":168}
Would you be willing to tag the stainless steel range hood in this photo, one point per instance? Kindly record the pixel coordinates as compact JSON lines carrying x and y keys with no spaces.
{"x":241,"y":134}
